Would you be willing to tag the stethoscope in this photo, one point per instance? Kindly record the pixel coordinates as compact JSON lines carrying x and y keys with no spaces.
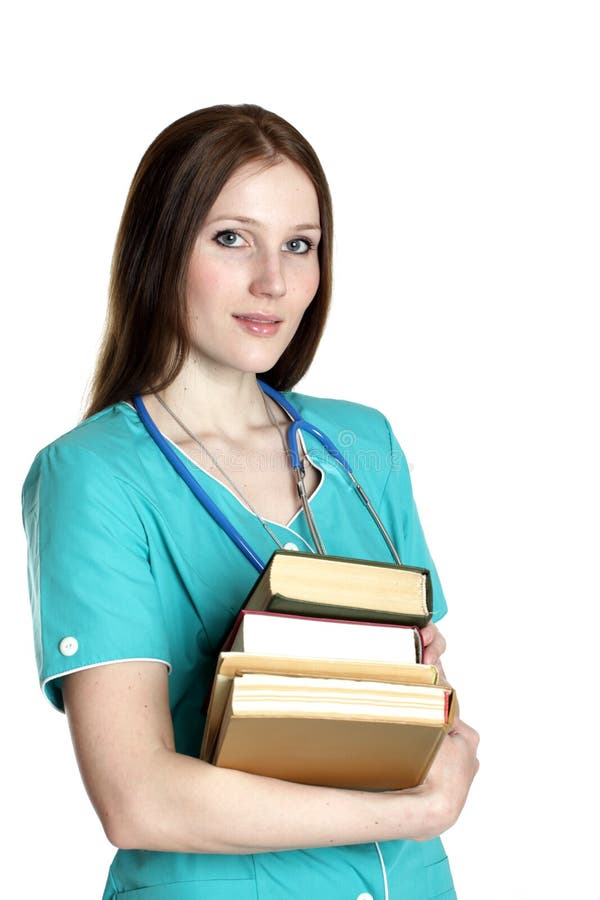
{"x":298,"y":424}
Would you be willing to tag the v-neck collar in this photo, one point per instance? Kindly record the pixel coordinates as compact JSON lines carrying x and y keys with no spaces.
{"x":236,"y":496}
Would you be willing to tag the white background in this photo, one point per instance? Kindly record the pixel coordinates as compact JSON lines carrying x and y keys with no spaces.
{"x":461,"y":140}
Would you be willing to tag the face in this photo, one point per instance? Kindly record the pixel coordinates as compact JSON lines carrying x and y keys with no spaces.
{"x":254,"y":268}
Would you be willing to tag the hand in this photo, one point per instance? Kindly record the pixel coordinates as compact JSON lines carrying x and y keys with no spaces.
{"x":434,"y":645}
{"x":450,"y":778}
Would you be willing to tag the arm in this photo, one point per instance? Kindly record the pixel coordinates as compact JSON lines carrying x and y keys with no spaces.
{"x":148,"y":796}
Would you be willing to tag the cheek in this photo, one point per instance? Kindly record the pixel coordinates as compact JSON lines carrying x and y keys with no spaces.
{"x":204,"y":281}
{"x":307,"y":284}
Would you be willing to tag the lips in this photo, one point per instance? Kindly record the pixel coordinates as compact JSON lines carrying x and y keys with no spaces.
{"x":258,"y":324}
{"x":257,"y":317}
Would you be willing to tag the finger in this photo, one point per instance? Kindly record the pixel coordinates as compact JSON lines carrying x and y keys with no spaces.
{"x":459,"y":727}
{"x":431,"y":635}
{"x":442,"y":678}
{"x":428,"y":633}
{"x":440,"y":643}
{"x":434,"y":650}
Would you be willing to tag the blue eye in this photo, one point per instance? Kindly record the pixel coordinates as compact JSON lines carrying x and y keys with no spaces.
{"x":229,"y":239}
{"x":298,"y":245}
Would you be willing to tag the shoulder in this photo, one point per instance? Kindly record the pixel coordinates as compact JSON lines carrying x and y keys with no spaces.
{"x":355,"y":420}
{"x":104,"y":443}
{"x":100,"y":434}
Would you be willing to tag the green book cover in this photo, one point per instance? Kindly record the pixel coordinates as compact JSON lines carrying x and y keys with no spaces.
{"x":335,"y":607}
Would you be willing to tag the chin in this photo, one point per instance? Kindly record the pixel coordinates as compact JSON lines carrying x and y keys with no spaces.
{"x":261,"y":360}
{"x":256,"y":364}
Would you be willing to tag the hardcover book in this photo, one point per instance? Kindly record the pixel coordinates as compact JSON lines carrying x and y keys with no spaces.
{"x":289,"y":635}
{"x":321,"y":680}
{"x":367,"y":735}
{"x":304,"y":584}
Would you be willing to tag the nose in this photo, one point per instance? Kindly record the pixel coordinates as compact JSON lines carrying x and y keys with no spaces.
{"x":268,"y":279}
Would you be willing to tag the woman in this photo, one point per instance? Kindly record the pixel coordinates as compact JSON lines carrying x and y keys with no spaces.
{"x":222,"y":270}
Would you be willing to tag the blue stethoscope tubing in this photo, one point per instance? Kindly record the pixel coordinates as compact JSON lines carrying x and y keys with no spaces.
{"x":197,"y":490}
{"x":300,"y":424}
{"x":297,"y":424}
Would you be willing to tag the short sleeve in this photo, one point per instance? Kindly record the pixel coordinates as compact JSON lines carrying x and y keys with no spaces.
{"x":93,"y":596}
{"x":398,"y":506}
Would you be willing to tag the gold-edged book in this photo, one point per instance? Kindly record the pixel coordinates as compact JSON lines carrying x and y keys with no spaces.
{"x":305,"y":584}
{"x":353,"y":724}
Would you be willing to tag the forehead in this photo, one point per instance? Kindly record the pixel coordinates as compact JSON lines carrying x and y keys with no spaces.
{"x":265,"y":191}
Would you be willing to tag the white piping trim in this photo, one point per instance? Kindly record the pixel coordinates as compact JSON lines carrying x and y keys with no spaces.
{"x":303,"y":540}
{"x":237,"y":498}
{"x":106,"y":662}
{"x":386,"y":892}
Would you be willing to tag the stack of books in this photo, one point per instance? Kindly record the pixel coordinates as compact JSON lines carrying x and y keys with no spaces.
{"x":321,"y":680}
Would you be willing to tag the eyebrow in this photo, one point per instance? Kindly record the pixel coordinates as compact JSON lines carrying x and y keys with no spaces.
{"x":305,"y":226}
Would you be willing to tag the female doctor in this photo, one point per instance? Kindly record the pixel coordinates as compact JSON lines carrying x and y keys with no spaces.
{"x":222,"y":270}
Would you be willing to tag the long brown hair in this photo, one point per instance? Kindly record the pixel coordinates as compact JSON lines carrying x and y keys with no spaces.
{"x":177,"y":181}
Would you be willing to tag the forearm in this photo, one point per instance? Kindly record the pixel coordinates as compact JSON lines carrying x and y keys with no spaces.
{"x":181,"y":804}
{"x":150,"y":797}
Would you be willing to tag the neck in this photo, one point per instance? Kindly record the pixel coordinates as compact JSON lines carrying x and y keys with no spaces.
{"x":213,"y":402}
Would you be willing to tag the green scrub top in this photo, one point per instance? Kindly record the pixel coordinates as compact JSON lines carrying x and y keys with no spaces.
{"x":124,"y":563}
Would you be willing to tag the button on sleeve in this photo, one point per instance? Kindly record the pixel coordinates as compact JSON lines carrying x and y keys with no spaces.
{"x":68,"y":646}
{"x":93,"y":596}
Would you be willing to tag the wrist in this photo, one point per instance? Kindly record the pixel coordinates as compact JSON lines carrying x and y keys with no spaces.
{"x":429,"y":812}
